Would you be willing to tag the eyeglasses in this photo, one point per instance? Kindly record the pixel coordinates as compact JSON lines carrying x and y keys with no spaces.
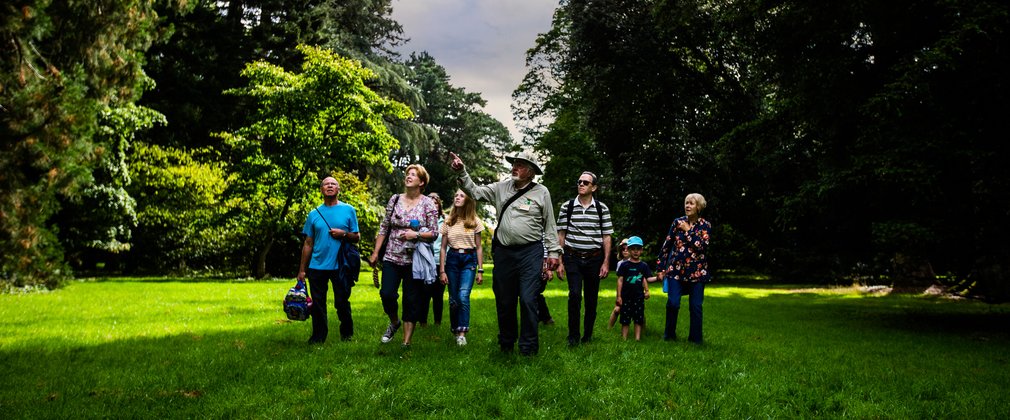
{"x":584,"y":182}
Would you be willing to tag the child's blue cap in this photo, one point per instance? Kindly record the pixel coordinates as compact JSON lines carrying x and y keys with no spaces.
{"x":635,"y":241}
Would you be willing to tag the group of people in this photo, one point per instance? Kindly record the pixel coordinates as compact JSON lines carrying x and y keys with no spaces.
{"x":420,"y":253}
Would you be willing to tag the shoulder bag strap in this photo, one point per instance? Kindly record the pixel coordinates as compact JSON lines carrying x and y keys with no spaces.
{"x":389,"y":225}
{"x":514,"y":197}
{"x":324,"y":219}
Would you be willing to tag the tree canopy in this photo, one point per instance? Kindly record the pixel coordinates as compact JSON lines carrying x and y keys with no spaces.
{"x":307,"y":126}
{"x":64,"y":65}
{"x":833,"y":141}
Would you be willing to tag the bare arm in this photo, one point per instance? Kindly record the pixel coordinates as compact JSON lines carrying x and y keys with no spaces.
{"x":373,"y":259}
{"x":441,"y":261}
{"x":620,"y":285}
{"x":303,"y":263}
{"x":605,"y":268}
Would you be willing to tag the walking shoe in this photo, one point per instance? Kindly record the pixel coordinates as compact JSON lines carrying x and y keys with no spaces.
{"x":390,"y":330}
{"x":461,"y":340}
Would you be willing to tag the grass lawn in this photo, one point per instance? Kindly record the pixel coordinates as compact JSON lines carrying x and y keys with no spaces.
{"x":165,"y":347}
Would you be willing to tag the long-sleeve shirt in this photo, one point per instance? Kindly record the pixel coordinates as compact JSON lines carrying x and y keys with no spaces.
{"x":425,"y":212}
{"x":527,"y":219}
{"x":683,"y":253}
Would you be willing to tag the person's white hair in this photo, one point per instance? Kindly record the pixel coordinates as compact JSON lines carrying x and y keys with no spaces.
{"x":698,"y":199}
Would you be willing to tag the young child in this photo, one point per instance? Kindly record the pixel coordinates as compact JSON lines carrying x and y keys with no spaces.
{"x":622,"y":253}
{"x":633,"y":288}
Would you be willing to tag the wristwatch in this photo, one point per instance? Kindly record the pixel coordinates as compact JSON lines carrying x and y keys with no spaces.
{"x":480,"y":270}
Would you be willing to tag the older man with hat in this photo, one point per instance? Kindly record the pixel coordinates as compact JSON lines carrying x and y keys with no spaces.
{"x":525,"y":231}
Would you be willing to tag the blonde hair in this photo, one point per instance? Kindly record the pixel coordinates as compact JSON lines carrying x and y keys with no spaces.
{"x":467,"y":212}
{"x":698,"y":199}
{"x":422,"y":174}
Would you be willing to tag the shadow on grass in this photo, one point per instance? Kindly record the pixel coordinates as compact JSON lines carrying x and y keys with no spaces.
{"x":267,"y":371}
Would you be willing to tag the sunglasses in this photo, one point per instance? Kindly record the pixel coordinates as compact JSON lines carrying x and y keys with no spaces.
{"x":584,"y":182}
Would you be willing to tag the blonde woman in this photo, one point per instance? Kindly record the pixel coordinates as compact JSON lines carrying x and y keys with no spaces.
{"x":461,"y":260}
{"x":685,"y":266}
{"x":407,"y":216}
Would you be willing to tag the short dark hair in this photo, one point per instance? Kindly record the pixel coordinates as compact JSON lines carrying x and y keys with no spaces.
{"x":591,"y":175}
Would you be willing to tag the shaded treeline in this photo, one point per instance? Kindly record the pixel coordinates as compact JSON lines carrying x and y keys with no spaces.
{"x":834,"y":141}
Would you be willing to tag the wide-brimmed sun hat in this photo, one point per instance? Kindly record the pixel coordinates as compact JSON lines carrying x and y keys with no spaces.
{"x":526,"y":157}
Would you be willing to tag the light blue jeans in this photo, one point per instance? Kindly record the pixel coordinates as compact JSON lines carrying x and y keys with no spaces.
{"x":460,"y":269}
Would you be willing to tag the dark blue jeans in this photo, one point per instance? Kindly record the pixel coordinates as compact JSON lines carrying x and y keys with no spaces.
{"x":460,"y":269}
{"x":583,"y":276}
{"x":517,"y":281}
{"x":319,"y":282}
{"x":695,"y":296}
{"x":392,"y":276}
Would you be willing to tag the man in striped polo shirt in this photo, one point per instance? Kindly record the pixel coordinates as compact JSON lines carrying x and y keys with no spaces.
{"x":584,"y":230}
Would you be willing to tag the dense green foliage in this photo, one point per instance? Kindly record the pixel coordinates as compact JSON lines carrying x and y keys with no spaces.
{"x":176,"y":347}
{"x":844,"y":142}
{"x":205,"y":58}
{"x":182,"y":211}
{"x":857,"y":139}
{"x":63,"y":66}
{"x":307,"y":126}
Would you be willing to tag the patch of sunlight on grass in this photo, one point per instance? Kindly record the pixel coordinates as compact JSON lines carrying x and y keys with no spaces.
{"x":746,"y":292}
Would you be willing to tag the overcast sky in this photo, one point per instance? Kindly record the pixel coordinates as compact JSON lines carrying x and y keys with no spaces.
{"x":481,"y":43}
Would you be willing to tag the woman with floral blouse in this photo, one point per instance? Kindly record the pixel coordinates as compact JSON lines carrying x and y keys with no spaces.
{"x":410,"y":217}
{"x":684,"y":266}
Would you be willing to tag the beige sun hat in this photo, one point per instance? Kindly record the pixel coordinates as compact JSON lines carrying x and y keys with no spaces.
{"x":526,"y":157}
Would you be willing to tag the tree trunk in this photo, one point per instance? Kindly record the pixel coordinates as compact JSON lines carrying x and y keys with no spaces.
{"x":991,"y":277}
{"x":911,"y":274}
{"x":261,"y":258}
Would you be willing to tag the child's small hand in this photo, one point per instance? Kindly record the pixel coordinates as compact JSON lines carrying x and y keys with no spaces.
{"x":619,"y":301}
{"x":646,"y":294}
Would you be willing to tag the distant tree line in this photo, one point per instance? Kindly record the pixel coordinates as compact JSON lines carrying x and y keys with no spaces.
{"x":836,"y":141}
{"x":145,"y":136}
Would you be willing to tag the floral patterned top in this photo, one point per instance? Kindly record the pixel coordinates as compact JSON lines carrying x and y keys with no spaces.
{"x":397,"y":220}
{"x":683,"y":253}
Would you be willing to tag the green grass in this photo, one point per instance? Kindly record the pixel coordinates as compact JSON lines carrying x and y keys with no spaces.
{"x":182,"y":348}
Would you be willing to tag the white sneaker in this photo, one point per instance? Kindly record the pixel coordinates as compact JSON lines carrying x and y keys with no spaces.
{"x":390,"y":330}
{"x":461,"y":340}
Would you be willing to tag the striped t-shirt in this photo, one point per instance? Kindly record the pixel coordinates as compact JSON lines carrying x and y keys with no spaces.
{"x":460,"y":237}
{"x":584,"y":233}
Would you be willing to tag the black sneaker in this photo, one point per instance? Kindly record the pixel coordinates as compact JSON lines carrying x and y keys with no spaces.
{"x":390,"y":330}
